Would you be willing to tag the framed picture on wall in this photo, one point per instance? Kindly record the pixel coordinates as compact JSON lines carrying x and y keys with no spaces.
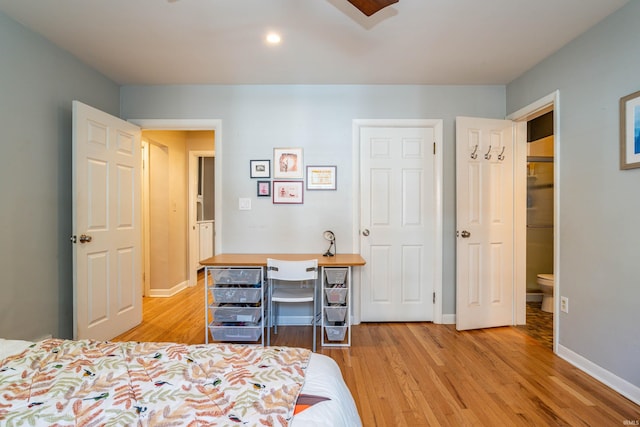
{"x":287,"y":163}
{"x":260,"y":168}
{"x":321,"y":177}
{"x":630,"y":131}
{"x":287,"y":192}
{"x":264,"y":188}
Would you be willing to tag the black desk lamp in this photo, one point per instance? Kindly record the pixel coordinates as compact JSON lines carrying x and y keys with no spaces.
{"x":328,"y":235}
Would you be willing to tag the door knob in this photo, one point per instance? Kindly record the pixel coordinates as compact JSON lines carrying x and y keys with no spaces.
{"x":465,"y":234}
{"x":85,"y":238}
{"x":365,"y":232}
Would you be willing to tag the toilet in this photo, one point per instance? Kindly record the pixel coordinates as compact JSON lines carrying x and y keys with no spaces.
{"x":546,"y":281}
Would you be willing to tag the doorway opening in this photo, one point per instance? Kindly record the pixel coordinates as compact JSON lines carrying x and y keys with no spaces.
{"x":550,"y":159}
{"x":173,"y":230}
{"x":540,"y":227}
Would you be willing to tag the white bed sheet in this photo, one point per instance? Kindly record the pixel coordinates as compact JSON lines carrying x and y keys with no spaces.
{"x":323,"y":378}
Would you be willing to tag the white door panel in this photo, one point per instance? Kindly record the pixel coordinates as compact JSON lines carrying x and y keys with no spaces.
{"x":398,"y":210}
{"x":485,"y":209}
{"x":106,"y":207}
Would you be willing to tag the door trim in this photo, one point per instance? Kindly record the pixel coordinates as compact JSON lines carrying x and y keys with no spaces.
{"x":520,"y":117}
{"x":437,"y":125}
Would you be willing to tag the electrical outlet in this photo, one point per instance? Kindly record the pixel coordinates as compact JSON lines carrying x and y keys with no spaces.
{"x":564,"y":304}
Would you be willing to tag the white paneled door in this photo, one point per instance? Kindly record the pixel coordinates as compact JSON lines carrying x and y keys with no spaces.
{"x":398,"y":211}
{"x":107,"y":255}
{"x":485,"y":230}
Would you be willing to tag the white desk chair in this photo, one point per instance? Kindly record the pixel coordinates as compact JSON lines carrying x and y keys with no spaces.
{"x":290,"y":282}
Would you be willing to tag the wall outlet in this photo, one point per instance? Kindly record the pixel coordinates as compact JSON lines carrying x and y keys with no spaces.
{"x":564,"y":304}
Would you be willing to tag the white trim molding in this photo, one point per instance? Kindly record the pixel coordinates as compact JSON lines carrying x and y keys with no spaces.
{"x":620,"y":385}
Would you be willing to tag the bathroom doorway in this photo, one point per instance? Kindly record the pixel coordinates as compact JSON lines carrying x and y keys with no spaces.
{"x":540,"y":227}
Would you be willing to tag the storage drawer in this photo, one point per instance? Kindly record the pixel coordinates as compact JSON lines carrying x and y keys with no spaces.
{"x":336,"y":295}
{"x":235,"y":333}
{"x":236,"y":314}
{"x":237,"y":295}
{"x":336,"y":314}
{"x":335,"y":276}
{"x":236,"y":276}
{"x":336,"y":333}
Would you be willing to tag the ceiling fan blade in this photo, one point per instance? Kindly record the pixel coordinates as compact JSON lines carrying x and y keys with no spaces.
{"x":369,"y":7}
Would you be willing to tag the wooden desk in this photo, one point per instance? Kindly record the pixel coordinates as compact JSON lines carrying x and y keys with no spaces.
{"x":340,"y":327}
{"x":257,"y":260}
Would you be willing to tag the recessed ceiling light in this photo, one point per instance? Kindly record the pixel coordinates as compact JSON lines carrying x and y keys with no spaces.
{"x":273,"y":38}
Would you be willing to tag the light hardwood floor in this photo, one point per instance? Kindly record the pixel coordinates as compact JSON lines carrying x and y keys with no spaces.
{"x":421,"y":374}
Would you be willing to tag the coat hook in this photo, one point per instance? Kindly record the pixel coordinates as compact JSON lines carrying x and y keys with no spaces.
{"x":501,"y":155}
{"x":488,"y":155}
{"x":474,"y":155}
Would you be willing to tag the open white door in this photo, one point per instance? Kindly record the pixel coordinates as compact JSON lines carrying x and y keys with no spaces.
{"x":485,"y":218}
{"x":107,"y":254}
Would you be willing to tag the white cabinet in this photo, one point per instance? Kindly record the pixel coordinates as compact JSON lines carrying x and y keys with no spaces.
{"x":234,"y":304}
{"x":336,"y":306}
{"x":205,"y":240}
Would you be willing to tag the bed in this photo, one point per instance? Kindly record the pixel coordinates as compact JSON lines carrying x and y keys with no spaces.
{"x":92,"y":383}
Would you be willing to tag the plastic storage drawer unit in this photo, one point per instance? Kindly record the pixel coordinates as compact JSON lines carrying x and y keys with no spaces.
{"x":235,"y":333}
{"x":237,"y":295}
{"x":236,"y":314}
{"x":335,"y":276}
{"x":336,"y":333}
{"x":336,"y":295}
{"x":336,"y":314}
{"x":237,"y":276}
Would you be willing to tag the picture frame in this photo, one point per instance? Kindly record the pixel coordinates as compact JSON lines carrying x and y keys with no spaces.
{"x":260,"y":168}
{"x":288,"y":192}
{"x":630,"y":131}
{"x":288,"y":163}
{"x":264,"y":189}
{"x":322,"y":177}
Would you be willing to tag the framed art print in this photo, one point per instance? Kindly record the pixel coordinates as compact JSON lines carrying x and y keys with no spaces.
{"x":260,"y":168}
{"x":287,"y":192}
{"x":630,"y":131}
{"x":287,"y":163}
{"x":264,"y":188}
{"x":321,"y":177}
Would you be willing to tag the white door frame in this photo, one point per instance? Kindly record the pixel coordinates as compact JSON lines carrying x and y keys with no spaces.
{"x":437,"y":125}
{"x":196,"y":124}
{"x":520,"y":238}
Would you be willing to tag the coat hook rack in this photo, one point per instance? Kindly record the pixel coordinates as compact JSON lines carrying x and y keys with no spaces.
{"x":488,"y":155}
{"x":501,"y":155}
{"x":474,"y":155}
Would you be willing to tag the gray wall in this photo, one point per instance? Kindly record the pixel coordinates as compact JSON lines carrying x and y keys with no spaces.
{"x":38,"y":81}
{"x":599,"y":203}
{"x":255,"y":119}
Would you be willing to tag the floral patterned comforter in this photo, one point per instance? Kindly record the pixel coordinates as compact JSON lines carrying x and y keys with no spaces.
{"x":91,"y":383}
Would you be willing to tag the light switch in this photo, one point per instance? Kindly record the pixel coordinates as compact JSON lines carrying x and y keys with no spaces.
{"x":244,"y":204}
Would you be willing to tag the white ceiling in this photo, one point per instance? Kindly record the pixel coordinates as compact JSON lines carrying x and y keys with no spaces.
{"x":324,"y":41}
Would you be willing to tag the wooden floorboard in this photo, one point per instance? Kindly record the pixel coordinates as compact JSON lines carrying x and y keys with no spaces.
{"x":421,"y":374}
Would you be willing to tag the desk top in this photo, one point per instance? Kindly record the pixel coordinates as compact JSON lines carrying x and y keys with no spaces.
{"x":257,"y":260}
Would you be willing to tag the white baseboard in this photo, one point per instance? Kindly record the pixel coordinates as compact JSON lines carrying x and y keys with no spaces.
{"x":165,"y":293}
{"x":534,"y":297}
{"x":294,"y":321}
{"x":620,"y":385}
{"x":448,"y":319}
